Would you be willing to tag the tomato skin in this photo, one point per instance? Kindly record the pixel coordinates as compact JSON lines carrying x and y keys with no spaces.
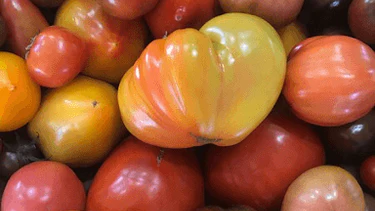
{"x":138,"y":176}
{"x":78,"y":124}
{"x":19,"y":94}
{"x":330,"y":80}
{"x":69,"y":55}
{"x":44,"y":186}
{"x":24,"y":21}
{"x":129,"y":9}
{"x":170,"y":15}
{"x":367,"y":172}
{"x":324,"y":188}
{"x":114,"y":44}
{"x":195,"y":100}
{"x":258,"y":171}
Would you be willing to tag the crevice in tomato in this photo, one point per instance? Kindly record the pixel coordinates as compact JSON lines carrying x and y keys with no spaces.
{"x":204,"y":140}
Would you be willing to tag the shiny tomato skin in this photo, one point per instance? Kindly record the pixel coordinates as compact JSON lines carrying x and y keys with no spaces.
{"x":69,"y":55}
{"x":258,"y":170}
{"x":44,"y":186}
{"x":128,"y":9}
{"x":24,"y":21}
{"x":170,"y":15}
{"x":367,"y":172}
{"x":142,"y":177}
{"x":330,"y":80}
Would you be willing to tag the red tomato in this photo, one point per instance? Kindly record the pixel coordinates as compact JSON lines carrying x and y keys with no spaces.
{"x":44,"y":186}
{"x":330,"y":80}
{"x":258,"y":170}
{"x":170,"y":15}
{"x":69,"y":55}
{"x":367,"y":172}
{"x":128,"y":9}
{"x":24,"y":21}
{"x":141,"y":177}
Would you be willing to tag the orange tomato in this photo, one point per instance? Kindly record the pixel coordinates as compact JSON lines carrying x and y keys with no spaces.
{"x":19,"y":94}
{"x":114,"y":44}
{"x":210,"y":86}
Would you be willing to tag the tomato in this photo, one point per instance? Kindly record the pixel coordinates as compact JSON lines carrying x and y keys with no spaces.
{"x":114,"y":44}
{"x":278,"y":13}
{"x":367,"y":172}
{"x":258,"y":171}
{"x":138,"y":176}
{"x":362,"y":19}
{"x":128,"y":10}
{"x":69,"y":55}
{"x":44,"y":186}
{"x":19,"y":94}
{"x":79,"y":123}
{"x":209,"y":86}
{"x":291,"y":35}
{"x":24,"y":21}
{"x":48,"y":3}
{"x":330,"y":80}
{"x":324,"y":188}
{"x":352,"y":142}
{"x":170,"y":15}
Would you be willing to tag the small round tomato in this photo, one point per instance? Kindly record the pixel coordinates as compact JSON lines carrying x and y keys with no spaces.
{"x":330,"y":80}
{"x":20,"y":95}
{"x":129,"y":9}
{"x":367,"y":172}
{"x":78,"y":124}
{"x":138,"y":176}
{"x":44,"y":186}
{"x":56,"y":57}
{"x":258,"y":170}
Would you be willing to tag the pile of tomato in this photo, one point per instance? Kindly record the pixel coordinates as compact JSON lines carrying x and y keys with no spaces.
{"x":185,"y":105}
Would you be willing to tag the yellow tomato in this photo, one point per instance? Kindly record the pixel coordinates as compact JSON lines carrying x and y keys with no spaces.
{"x":79,"y":123}
{"x":19,"y":94}
{"x":195,"y":87}
{"x":291,"y":35}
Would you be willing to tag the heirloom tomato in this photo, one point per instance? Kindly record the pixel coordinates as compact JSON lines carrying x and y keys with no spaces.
{"x":367,"y":172}
{"x":128,"y":9}
{"x":258,"y":171}
{"x":69,"y":55}
{"x":79,"y":123}
{"x":170,"y":15}
{"x":324,"y":188}
{"x":138,"y":176}
{"x":330,"y":80}
{"x":44,"y":186}
{"x":19,"y":94}
{"x":209,"y":86}
{"x":114,"y":44}
{"x":24,"y":21}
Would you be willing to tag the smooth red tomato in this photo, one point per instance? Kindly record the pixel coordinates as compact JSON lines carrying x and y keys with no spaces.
{"x":170,"y":15}
{"x":258,"y":170}
{"x":44,"y":186}
{"x":330,"y":80}
{"x":127,"y":9}
{"x":367,"y":172}
{"x":69,"y":55}
{"x":24,"y":21}
{"x":141,"y":177}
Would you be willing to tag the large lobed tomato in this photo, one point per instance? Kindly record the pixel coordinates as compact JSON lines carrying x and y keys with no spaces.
{"x":209,"y":86}
{"x":69,"y":55}
{"x":19,"y":94}
{"x":330,"y":80}
{"x":79,"y":123}
{"x":44,"y":186}
{"x":138,"y":176}
{"x":114,"y":44}
{"x":258,"y":171}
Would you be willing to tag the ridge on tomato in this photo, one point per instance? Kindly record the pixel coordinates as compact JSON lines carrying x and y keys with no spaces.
{"x":210,"y":86}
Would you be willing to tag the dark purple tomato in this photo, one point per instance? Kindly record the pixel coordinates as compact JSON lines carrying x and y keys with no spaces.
{"x":17,"y":151}
{"x":353,"y":142}
{"x":321,"y":14}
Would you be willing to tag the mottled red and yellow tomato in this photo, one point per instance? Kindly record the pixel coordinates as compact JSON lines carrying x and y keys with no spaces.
{"x":210,"y":86}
